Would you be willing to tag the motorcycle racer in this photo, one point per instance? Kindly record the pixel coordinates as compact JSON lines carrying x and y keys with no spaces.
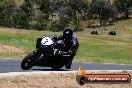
{"x":71,"y":45}
{"x":53,"y":51}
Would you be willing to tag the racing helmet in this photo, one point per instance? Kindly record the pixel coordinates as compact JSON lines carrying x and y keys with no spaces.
{"x":67,"y":34}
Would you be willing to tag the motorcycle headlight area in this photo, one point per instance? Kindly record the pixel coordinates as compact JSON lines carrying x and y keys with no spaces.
{"x":46,"y":44}
{"x":46,"y":41}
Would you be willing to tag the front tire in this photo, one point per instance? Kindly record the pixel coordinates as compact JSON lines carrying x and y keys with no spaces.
{"x":28,"y":61}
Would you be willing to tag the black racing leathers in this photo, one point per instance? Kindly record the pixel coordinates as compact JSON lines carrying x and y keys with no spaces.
{"x":70,"y":48}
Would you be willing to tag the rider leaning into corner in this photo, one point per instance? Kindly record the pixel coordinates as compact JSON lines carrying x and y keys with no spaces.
{"x":71,"y":45}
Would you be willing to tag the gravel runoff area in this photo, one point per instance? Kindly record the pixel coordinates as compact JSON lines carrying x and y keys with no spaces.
{"x":11,"y":49}
{"x":54,"y":79}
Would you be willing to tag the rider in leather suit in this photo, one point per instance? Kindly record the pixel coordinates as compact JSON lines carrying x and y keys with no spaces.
{"x":71,"y":45}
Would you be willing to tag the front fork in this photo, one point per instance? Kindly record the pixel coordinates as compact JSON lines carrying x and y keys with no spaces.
{"x":38,"y":54}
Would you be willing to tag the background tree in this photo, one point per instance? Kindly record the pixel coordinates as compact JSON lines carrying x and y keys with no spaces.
{"x":61,"y":14}
{"x":58,"y":14}
{"x":123,"y":7}
{"x":43,"y":14}
{"x":78,"y":7}
{"x":23,"y":15}
{"x":7,"y":8}
{"x":103,"y":10}
{"x":69,"y":11}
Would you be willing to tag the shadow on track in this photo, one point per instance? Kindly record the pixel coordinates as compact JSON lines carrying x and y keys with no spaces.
{"x":35,"y":69}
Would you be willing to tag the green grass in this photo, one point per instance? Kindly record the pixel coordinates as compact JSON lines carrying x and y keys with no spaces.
{"x":101,"y":49}
{"x":25,"y":39}
{"x":21,"y":38}
{"x":106,"y":53}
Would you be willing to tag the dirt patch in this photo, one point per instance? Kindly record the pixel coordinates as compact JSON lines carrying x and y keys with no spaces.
{"x":55,"y":80}
{"x":11,"y":49}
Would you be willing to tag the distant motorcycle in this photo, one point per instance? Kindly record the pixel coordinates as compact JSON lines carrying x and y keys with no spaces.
{"x":48,"y":53}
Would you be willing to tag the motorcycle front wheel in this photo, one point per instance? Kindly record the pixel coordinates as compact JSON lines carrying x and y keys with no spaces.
{"x":28,"y":61}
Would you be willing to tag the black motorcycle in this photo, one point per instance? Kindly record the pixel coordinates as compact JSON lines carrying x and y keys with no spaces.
{"x":48,"y":53}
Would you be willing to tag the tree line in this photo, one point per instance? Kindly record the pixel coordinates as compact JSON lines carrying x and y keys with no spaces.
{"x":55,"y":15}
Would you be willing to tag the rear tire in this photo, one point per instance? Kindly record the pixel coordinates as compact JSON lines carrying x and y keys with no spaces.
{"x":28,"y":61}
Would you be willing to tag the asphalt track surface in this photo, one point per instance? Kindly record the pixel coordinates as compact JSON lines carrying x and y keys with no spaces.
{"x":13,"y":65}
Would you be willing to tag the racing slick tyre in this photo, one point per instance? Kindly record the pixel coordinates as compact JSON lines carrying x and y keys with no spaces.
{"x":28,"y":61}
